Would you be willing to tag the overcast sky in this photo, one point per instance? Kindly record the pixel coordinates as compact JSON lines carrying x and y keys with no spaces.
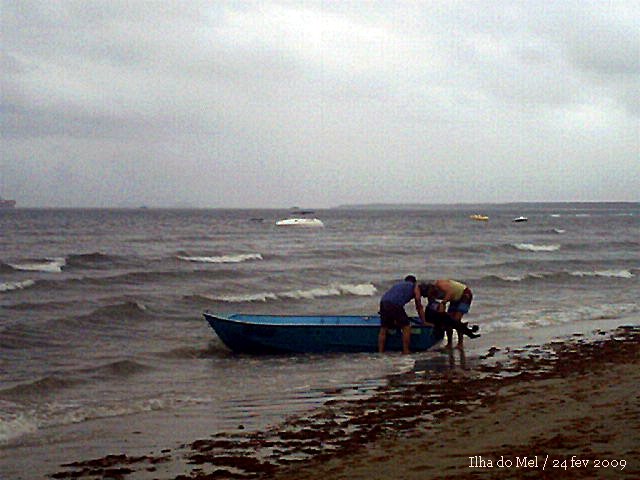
{"x":316,"y":104}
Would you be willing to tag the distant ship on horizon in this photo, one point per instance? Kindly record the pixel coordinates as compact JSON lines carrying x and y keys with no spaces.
{"x":4,"y":203}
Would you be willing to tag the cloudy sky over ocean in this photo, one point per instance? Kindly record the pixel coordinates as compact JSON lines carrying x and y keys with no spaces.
{"x":274,"y":104}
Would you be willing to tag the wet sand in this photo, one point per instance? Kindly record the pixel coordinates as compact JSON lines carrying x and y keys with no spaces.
{"x":541,"y":407}
{"x":548,"y":424}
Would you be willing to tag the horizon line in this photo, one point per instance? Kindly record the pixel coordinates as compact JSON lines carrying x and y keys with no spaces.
{"x":340,"y":206}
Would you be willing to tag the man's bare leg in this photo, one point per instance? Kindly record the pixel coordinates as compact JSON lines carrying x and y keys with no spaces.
{"x":406,"y":339}
{"x":449,"y":338}
{"x":382,"y":339}
{"x":458,"y":317}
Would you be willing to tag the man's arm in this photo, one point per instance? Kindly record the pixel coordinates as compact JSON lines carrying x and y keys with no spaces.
{"x":418,"y":301}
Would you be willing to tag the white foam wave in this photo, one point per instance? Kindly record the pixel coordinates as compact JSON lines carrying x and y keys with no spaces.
{"x":365,"y":289}
{"x":527,"y":319}
{"x":530,"y":247}
{"x":520,"y":278}
{"x":512,"y":278}
{"x":334,"y":290}
{"x":312,"y":293}
{"x":540,"y":275}
{"x":16,"y":424}
{"x":53,"y":265}
{"x":559,"y":231}
{"x":141,"y":306}
{"x":255,"y":297}
{"x":223,"y":258}
{"x":605,"y":273}
{"x":9,"y":286}
{"x":360,"y":290}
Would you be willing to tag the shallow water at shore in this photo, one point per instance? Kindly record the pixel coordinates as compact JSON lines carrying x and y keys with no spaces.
{"x":148,"y":434}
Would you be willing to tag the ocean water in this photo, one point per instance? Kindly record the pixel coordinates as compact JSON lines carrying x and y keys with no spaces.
{"x":103,"y":347}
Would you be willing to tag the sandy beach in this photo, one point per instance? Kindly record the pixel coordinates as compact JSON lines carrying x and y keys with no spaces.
{"x":567,"y":409}
{"x":577,"y":416}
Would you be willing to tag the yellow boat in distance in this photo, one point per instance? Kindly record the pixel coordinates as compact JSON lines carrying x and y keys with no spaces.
{"x":481,"y":218}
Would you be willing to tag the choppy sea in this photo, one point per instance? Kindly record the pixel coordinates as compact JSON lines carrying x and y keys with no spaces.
{"x":103,"y":346}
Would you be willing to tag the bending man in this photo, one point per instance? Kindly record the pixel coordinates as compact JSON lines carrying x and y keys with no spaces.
{"x":392,"y":313}
{"x":459,"y":297}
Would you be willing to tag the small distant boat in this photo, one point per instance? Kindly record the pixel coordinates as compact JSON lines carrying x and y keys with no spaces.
{"x":300,"y":222}
{"x":521,"y":219}
{"x":481,"y":218}
{"x":314,"y":333}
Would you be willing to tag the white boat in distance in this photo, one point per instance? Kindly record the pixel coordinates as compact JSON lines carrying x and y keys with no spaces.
{"x":300,"y":222}
{"x":521,"y":219}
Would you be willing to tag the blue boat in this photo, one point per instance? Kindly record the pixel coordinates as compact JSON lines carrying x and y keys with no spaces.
{"x":314,"y":333}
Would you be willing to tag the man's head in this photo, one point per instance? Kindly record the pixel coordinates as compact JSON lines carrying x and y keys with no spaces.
{"x":410,"y":278}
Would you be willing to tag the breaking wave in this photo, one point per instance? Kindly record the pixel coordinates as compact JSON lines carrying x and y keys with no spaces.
{"x":49,"y":265}
{"x":58,"y":264}
{"x":256,"y":297}
{"x":244,"y":257}
{"x":532,"y":276}
{"x":363,"y":289}
{"x":530,"y":247}
{"x":10,"y":286}
{"x":527,"y":319}
{"x":516,"y":278}
{"x":15,"y":424}
{"x":605,"y":273}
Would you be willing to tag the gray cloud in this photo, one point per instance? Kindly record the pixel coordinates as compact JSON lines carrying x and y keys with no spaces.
{"x":309,"y":103}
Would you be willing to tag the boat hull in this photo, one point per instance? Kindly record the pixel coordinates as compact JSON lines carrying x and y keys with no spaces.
{"x":313,"y":334}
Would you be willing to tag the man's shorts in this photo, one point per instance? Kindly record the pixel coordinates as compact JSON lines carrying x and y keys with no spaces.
{"x":393,"y":316}
{"x":464,"y":304}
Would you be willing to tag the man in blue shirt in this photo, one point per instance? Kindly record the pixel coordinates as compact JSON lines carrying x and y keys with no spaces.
{"x":392,"y":313}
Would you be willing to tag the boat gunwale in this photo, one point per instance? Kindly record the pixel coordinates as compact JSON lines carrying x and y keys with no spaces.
{"x":306,"y":325}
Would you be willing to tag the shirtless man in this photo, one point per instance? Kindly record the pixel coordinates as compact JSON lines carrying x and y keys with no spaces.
{"x":459,"y":297}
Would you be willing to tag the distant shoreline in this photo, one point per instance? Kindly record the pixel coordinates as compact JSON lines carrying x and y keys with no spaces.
{"x":426,"y":206}
{"x":355,"y":206}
